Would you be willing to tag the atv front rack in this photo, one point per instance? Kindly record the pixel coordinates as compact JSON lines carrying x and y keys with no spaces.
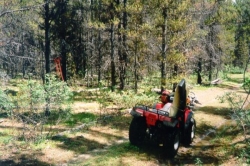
{"x":153,"y":116}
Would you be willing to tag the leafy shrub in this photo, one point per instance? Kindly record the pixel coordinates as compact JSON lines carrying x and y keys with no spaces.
{"x":128,"y":99}
{"x":6,"y":103}
{"x":233,"y":70}
{"x":240,"y":113}
{"x":37,"y":104}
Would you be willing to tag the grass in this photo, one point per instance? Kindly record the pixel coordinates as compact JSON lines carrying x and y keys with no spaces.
{"x":80,"y":118}
{"x":5,"y":136}
{"x":122,"y":154}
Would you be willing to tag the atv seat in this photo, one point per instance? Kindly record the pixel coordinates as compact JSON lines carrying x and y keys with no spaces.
{"x":179,"y":102}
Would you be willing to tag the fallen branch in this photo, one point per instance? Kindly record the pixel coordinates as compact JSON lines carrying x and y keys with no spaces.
{"x":217,"y":81}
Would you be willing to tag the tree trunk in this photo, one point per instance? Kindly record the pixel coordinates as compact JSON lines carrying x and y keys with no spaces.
{"x":124,"y":39}
{"x":47,"y":39}
{"x":63,"y":42}
{"x":135,"y":67}
{"x":99,"y":57}
{"x":99,"y":63}
{"x":121,"y":61}
{"x":112,"y":51}
{"x":199,"y":80}
{"x":163,"y":51}
{"x":122,"y":50}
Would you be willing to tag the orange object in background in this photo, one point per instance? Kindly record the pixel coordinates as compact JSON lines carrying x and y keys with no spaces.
{"x":58,"y":67}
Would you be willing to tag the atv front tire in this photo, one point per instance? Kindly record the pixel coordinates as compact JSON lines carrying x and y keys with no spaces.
{"x":137,"y":130}
{"x":190,"y":132}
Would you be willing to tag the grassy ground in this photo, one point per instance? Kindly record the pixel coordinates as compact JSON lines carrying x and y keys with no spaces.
{"x":218,"y":141}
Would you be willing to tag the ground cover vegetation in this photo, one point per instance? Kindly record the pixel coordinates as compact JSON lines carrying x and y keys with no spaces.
{"x":69,"y":71}
{"x":95,"y":128}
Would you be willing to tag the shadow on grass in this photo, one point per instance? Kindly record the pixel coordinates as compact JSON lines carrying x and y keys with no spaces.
{"x":80,"y":118}
{"x":3,"y":115}
{"x":149,"y":152}
{"x":23,"y":161}
{"x":228,"y":87}
{"x":146,"y":153}
{"x":78,"y":144}
{"x":117,"y":122}
{"x":236,"y":80}
{"x":84,"y":95}
{"x":224,"y":112}
{"x":203,"y":128}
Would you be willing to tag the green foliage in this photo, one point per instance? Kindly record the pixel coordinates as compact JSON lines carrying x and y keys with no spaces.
{"x":37,"y":104}
{"x":5,"y":137}
{"x":31,"y":94}
{"x":245,"y":156}
{"x":37,"y":96}
{"x":235,"y":101}
{"x":6,"y":103}
{"x":128,"y":99}
{"x":233,"y":69}
{"x":80,"y":118}
{"x":239,"y":110}
{"x":246,"y":84}
{"x":57,"y":92}
{"x":198,"y":162}
{"x":124,"y":99}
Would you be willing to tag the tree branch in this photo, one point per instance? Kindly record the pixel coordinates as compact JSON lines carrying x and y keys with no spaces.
{"x":20,"y":10}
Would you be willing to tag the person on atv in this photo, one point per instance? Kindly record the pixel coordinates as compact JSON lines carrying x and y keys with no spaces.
{"x":165,"y":101}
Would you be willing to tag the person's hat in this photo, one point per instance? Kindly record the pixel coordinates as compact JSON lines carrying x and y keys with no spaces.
{"x":165,"y":92}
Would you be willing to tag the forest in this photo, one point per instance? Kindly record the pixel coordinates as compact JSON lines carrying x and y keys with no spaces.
{"x":58,"y":57}
{"x":123,"y":41}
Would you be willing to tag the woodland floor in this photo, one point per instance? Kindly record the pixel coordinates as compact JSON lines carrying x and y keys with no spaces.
{"x":218,"y":141}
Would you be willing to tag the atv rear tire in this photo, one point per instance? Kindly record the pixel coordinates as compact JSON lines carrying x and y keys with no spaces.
{"x":190,"y":132}
{"x":172,"y":144}
{"x":137,"y":130}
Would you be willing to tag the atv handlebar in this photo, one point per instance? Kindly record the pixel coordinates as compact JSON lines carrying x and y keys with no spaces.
{"x":193,"y":99}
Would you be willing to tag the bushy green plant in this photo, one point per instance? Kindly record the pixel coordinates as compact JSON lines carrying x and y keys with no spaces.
{"x":6,"y":104}
{"x":57,"y":91}
{"x":38,"y":104}
{"x":31,"y":94}
{"x":238,"y":111}
{"x":128,"y":99}
{"x":198,"y":162}
{"x":235,"y":101}
{"x":233,"y":69}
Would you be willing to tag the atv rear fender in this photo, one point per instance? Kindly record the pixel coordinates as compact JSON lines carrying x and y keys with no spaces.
{"x":154,"y":115}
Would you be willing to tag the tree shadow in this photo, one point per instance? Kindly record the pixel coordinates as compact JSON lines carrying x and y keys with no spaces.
{"x":117,"y":121}
{"x":80,"y":144}
{"x":84,"y":95}
{"x":23,"y":160}
{"x":222,"y":111}
{"x":3,"y":115}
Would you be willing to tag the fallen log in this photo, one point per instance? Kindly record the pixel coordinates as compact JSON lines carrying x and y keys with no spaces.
{"x":216,"y":82}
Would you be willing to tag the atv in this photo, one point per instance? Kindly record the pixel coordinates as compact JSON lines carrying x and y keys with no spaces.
{"x":167,"y":128}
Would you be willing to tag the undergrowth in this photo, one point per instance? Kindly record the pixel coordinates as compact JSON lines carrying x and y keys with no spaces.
{"x":36,"y":105}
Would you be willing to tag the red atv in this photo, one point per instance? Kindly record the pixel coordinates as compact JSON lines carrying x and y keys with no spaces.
{"x":166,"y":128}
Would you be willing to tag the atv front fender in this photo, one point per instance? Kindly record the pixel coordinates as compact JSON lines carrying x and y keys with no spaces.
{"x":188,"y":118}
